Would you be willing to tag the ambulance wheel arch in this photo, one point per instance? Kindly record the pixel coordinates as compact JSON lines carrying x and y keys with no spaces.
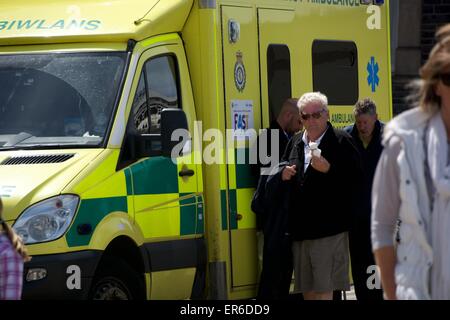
{"x":113,"y":226}
{"x":117,"y":278}
{"x":120,"y":272}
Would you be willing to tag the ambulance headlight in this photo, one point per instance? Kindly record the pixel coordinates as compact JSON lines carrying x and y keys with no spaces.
{"x":47,"y":220}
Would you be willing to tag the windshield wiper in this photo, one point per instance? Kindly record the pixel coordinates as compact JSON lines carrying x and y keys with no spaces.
{"x":47,"y":146}
{"x":6,"y":148}
{"x":18,"y":138}
{"x":33,"y":147}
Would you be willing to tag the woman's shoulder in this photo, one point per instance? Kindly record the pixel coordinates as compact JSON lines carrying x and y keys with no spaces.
{"x":408,"y":120}
{"x":405,"y":126}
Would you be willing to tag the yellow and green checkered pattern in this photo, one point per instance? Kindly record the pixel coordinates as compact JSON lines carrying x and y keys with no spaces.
{"x":151,"y":191}
{"x":241,"y":188}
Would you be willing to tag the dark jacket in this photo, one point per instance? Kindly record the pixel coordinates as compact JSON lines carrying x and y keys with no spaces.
{"x":321,"y":204}
{"x":283,"y":140}
{"x":360,"y":232}
{"x":276,"y":274}
{"x":277,"y":204}
{"x":259,"y":203}
{"x":369,"y":159}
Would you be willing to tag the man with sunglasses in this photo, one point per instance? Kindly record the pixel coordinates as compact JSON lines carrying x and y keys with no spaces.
{"x":324,"y":186}
{"x":367,"y":133}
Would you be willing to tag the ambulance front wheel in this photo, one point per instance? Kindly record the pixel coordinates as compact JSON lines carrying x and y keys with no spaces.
{"x":117,"y":280}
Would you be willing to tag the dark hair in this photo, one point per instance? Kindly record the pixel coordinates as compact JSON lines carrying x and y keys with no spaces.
{"x":13,"y":237}
{"x":291,"y":101}
{"x":365,"y":106}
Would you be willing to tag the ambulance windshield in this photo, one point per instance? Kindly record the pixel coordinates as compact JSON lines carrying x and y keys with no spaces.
{"x":58,"y":99}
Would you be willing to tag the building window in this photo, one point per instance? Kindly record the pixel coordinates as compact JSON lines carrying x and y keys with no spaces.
{"x":278,"y":78}
{"x":335,"y":71}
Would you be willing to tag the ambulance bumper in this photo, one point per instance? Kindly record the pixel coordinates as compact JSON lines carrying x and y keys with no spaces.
{"x":65,"y":276}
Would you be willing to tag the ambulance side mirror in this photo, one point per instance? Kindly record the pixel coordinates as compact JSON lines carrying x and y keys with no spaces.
{"x":172,"y":119}
{"x":162,"y":144}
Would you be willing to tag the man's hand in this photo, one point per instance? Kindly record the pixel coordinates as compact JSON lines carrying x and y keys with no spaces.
{"x":320,"y":164}
{"x":288,"y":172}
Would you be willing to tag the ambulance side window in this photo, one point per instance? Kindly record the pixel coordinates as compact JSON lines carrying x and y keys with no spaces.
{"x":162,"y":88}
{"x":140,"y":108}
{"x":335,"y":71}
{"x":157,"y":89}
{"x":278,"y":78}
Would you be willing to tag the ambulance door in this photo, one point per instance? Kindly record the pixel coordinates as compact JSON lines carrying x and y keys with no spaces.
{"x":242,"y":111}
{"x":277,"y":41}
{"x":167,"y":202}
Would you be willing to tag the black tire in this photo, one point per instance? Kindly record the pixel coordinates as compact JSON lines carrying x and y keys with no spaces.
{"x":117,"y":280}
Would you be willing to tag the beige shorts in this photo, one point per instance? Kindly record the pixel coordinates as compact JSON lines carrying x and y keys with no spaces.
{"x":321,"y":265}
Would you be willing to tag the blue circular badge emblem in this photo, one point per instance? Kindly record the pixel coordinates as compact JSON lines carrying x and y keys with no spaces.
{"x":239,"y":75}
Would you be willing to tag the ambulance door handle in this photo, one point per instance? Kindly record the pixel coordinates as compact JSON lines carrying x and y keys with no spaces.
{"x":186,"y":172}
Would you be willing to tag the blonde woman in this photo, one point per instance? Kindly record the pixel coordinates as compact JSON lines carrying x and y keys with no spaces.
{"x":411,"y":191}
{"x":12,"y":256}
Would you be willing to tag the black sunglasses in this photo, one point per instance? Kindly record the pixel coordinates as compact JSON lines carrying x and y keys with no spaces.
{"x":445,"y":78}
{"x":315,"y":115}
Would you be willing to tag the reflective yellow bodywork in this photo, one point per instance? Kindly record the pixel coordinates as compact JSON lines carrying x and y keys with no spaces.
{"x":217,"y":198}
{"x":29,"y":22}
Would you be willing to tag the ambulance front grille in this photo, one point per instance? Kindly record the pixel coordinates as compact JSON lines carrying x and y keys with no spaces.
{"x":56,"y":158}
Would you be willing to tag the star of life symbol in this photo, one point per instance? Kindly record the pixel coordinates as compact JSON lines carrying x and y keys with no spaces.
{"x":239,"y":73}
{"x":373,"y":80}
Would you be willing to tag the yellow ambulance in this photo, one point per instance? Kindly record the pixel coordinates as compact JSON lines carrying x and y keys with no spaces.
{"x":90,"y":94}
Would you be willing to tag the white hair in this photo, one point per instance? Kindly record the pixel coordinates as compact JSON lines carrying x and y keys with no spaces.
{"x":309,"y":97}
